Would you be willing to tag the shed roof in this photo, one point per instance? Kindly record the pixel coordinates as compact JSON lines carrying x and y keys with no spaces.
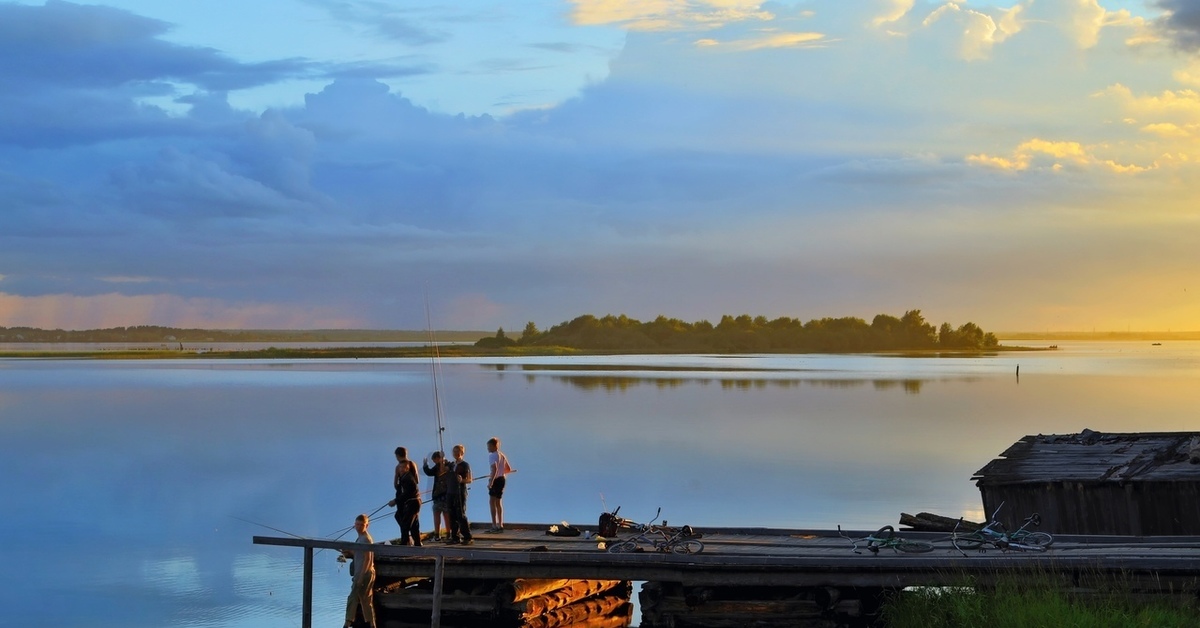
{"x":1095,"y":457}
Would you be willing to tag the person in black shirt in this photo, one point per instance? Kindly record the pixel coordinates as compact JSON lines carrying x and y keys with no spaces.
{"x":408,"y":499}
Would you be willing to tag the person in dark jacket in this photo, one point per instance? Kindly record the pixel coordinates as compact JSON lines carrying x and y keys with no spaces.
{"x":440,"y":472}
{"x":460,"y":480}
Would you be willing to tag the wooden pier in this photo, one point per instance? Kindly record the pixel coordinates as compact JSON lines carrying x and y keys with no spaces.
{"x":813,"y":575}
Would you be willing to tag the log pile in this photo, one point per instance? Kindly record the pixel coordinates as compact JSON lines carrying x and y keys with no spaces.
{"x":520,"y":603}
{"x":929,"y":522}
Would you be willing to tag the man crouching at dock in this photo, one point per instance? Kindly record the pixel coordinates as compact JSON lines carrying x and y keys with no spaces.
{"x":362,"y":569}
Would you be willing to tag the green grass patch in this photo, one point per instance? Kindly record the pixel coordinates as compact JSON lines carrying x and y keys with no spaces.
{"x":1037,"y":601}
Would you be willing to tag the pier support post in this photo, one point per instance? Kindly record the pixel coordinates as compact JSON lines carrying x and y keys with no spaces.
{"x":306,"y":612}
{"x":439,"y":568}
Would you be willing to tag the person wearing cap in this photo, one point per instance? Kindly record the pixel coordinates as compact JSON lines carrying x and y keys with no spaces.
{"x":362,"y":570}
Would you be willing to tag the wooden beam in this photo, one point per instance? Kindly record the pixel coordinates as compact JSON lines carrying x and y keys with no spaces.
{"x":439,"y":571}
{"x":307,"y":605}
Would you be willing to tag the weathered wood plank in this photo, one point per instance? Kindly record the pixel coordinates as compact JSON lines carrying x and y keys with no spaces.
{"x":423,"y":601}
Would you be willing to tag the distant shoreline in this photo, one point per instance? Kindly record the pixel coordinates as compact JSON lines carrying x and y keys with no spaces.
{"x":1098,"y":335}
{"x":424,"y":352}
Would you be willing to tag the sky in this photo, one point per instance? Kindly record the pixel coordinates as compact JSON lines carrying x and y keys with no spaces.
{"x":1025,"y":165}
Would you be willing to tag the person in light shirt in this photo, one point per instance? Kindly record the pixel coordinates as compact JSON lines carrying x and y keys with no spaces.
{"x":362,"y":569}
{"x":496,"y":482}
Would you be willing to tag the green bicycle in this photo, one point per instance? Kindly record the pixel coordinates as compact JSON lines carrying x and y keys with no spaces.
{"x":994,"y":536}
{"x":885,"y":538}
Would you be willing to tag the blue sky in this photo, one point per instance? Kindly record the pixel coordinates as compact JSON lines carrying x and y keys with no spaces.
{"x":1029,"y":165}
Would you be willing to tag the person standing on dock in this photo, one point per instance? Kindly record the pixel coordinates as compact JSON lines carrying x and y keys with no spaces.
{"x":362,"y":570}
{"x":496,"y":482}
{"x":408,"y":499}
{"x":440,"y":472}
{"x":460,"y":480}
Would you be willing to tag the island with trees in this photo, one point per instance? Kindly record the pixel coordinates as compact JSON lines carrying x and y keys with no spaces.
{"x":586,"y":334}
{"x":746,"y":334}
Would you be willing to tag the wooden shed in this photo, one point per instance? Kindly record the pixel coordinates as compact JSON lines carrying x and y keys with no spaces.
{"x":1142,"y":484}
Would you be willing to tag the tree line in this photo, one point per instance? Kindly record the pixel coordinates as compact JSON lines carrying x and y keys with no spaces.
{"x":746,"y":334}
{"x":160,"y":334}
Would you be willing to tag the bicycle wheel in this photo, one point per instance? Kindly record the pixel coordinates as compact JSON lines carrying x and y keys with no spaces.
{"x":969,"y":542}
{"x":1037,"y":539}
{"x":689,"y":546}
{"x":913,"y":547}
{"x":624,"y":547}
{"x":881,"y":538}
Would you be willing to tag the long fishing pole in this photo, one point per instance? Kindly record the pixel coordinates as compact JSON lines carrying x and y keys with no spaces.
{"x":435,"y":368}
{"x":263,"y":525}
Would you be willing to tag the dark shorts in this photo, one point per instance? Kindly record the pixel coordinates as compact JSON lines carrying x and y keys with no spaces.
{"x":439,"y":505}
{"x":497,"y":489}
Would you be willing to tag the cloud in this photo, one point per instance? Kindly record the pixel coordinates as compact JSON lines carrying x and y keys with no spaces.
{"x":61,"y":59}
{"x":1173,"y":116}
{"x":800,"y":176}
{"x":667,"y":15}
{"x":98,"y":47}
{"x":383,"y":20}
{"x":1181,"y":24}
{"x":767,"y":40}
{"x":892,"y":11}
{"x":66,"y":311}
{"x":980,"y":31}
{"x":1039,"y":153}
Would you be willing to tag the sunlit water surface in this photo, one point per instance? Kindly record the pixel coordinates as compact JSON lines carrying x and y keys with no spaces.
{"x":129,"y":487}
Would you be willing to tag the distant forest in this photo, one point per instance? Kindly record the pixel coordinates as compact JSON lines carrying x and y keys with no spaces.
{"x":607,"y":334}
{"x":157,"y":334}
{"x":746,"y":334}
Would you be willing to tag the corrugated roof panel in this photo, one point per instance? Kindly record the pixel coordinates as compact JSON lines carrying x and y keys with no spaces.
{"x":1095,"y":457}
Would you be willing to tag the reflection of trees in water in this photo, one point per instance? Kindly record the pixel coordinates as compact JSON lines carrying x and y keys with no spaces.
{"x":604,"y":378}
{"x":910,"y":386}
{"x":621,"y":383}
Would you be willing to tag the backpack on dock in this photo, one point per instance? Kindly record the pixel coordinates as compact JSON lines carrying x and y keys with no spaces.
{"x":608,"y":524}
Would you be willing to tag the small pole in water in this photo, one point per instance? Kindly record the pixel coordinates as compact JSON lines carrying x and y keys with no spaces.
{"x":1018,"y":372}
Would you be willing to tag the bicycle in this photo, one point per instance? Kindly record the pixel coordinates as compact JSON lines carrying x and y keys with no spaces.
{"x":994,"y":535}
{"x":885,"y":538}
{"x":661,"y":538}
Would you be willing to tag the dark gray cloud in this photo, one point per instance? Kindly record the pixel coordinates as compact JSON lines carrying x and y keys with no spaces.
{"x":1182,"y":22}
{"x":97,"y":47}
{"x":72,"y":74}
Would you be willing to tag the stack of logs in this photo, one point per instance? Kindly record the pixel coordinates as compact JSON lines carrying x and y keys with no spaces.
{"x":928,"y":522}
{"x":523,"y":602}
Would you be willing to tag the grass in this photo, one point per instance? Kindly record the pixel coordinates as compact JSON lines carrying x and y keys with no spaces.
{"x":1034,"y":601}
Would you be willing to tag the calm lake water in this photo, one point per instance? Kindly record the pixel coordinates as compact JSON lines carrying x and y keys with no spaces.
{"x":129,"y":486}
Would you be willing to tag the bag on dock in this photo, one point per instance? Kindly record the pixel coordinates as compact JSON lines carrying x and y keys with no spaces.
{"x":563,"y":529}
{"x":608,"y":525}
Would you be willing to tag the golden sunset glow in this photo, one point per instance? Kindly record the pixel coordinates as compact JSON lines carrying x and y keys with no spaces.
{"x":1023,"y":165}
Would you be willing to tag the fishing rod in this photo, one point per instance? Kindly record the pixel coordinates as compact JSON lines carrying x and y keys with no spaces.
{"x":435,"y":368}
{"x":263,"y":525}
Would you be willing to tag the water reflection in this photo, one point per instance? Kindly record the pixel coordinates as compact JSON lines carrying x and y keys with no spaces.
{"x":624,"y":383}
{"x":142,"y":475}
